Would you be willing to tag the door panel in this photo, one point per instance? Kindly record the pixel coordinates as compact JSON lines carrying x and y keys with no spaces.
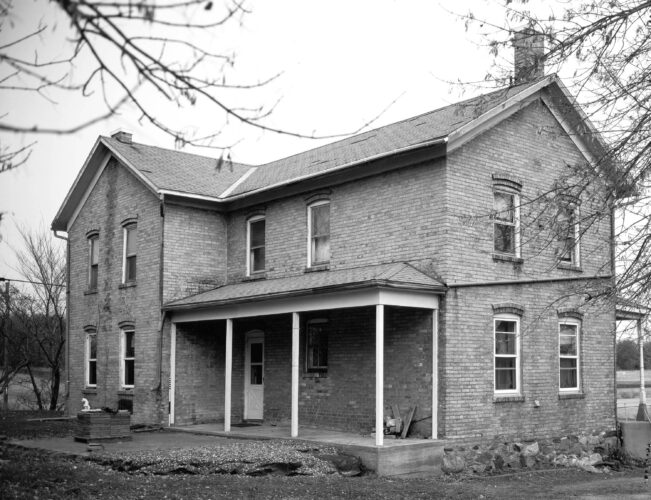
{"x":254,"y":377}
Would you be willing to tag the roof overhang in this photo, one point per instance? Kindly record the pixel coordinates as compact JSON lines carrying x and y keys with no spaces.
{"x":341,"y":297}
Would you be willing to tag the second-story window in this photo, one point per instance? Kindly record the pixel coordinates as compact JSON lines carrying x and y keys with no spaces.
{"x":130,"y":247}
{"x":319,"y":233}
{"x":256,"y":245}
{"x":506,"y":223}
{"x":93,"y":261}
{"x":568,"y":235}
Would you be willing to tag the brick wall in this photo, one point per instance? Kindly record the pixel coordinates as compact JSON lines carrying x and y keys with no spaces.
{"x":468,"y":407}
{"x":116,"y":197}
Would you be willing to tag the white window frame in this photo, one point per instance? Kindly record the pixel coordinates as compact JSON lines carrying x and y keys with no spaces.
{"x":88,"y":359}
{"x":575,"y":256}
{"x":249,"y":256}
{"x":125,"y":232}
{"x":93,"y":240}
{"x":123,"y":357}
{"x":308,"y":367}
{"x":518,"y":356}
{"x":516,"y":222}
{"x":309,"y":233}
{"x":576,"y":323}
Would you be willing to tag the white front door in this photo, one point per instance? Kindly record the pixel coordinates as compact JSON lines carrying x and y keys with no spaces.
{"x":254,"y":376}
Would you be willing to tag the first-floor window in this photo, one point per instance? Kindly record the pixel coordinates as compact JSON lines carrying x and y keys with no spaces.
{"x":128,"y":358}
{"x":91,"y":358}
{"x":507,"y":354}
{"x":317,"y":345}
{"x":568,"y":352}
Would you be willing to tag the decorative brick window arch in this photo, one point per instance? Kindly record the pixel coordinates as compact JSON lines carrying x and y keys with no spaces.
{"x":508,"y":308}
{"x":569,"y":312}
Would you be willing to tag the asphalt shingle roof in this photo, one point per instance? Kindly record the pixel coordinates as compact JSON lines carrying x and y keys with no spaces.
{"x":178,"y":171}
{"x":399,"y":275}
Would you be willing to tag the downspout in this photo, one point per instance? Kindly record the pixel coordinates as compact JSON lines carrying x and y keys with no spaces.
{"x":161,"y":323}
{"x":67,"y":394}
{"x":613,"y":268}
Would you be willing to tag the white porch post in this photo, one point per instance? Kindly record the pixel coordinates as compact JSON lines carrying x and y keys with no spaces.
{"x":379,"y":375}
{"x":435,"y":372}
{"x":641,"y":410}
{"x":172,"y":373}
{"x":228,"y":375}
{"x":295,"y":332}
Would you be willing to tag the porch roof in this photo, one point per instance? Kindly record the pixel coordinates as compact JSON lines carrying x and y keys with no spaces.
{"x":395,"y":275}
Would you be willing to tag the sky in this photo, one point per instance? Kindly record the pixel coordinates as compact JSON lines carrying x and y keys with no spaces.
{"x":341,"y":64}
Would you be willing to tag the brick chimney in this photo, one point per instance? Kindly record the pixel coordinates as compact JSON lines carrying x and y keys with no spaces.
{"x":122,"y":136}
{"x":528,"y":48}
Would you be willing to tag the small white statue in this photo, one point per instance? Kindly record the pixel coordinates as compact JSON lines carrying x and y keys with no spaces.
{"x":85,"y":405}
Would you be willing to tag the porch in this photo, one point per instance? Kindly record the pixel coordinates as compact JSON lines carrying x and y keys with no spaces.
{"x":260,"y":331}
{"x":396,"y":457}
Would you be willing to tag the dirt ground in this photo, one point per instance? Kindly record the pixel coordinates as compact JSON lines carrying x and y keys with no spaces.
{"x":35,"y":474}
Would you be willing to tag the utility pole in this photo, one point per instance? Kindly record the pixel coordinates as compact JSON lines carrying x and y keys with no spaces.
{"x":5,"y":346}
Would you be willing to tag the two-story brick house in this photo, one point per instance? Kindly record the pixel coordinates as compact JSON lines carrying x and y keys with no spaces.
{"x":406,"y":265}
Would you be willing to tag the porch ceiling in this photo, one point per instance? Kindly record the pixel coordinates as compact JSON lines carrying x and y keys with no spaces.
{"x":397,"y":284}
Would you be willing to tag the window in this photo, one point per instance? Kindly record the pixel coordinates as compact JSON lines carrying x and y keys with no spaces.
{"x":507,"y":223}
{"x":318,"y":233}
{"x":568,"y":353}
{"x":568,"y":235}
{"x":507,"y":354}
{"x":256,"y":245}
{"x":128,"y":357}
{"x":130,"y":247}
{"x":316,"y":345}
{"x":91,"y":358}
{"x":93,"y":261}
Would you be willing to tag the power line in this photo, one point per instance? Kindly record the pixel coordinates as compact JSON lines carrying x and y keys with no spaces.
{"x":31,"y":282}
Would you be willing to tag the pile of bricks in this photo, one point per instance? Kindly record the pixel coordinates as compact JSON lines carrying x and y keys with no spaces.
{"x":101,"y":425}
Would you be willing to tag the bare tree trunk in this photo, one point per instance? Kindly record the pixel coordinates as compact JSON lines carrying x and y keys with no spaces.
{"x":55,"y":380}
{"x":35,"y":387}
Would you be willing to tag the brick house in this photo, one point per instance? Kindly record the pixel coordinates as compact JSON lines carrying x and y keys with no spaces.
{"x":405,"y":265}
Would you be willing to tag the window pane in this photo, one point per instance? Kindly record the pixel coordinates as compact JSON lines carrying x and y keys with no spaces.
{"x":320,"y":220}
{"x":505,"y":326}
{"x":92,"y":373}
{"x":504,"y":238}
{"x":567,"y":345}
{"x":257,"y":259}
{"x":256,"y":375}
{"x":504,"y":343}
{"x":132,"y":240}
{"x":321,"y":249}
{"x":129,"y":349}
{"x":569,"y":374}
{"x":94,"y":251}
{"x":93,"y":277}
{"x":505,"y":207}
{"x":317,"y":345}
{"x":131,"y":268}
{"x":257,"y":229}
{"x":129,"y":372}
{"x":256,"y":352}
{"x":92,"y":340}
{"x":505,"y":374}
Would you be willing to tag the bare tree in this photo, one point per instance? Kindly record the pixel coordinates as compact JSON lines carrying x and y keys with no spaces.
{"x":140,"y":56}
{"x":40,"y":313}
{"x":603,"y":51}
{"x":14,"y":356}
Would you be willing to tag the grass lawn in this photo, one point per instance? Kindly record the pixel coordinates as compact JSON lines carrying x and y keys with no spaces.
{"x":35,"y":474}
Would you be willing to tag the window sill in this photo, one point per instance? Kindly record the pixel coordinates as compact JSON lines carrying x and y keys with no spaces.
{"x":508,"y":399}
{"x":262,"y":275}
{"x":91,"y":292}
{"x":507,"y":258}
{"x":89,"y":390}
{"x":323,"y":374}
{"x":316,"y":268}
{"x":569,"y":267}
{"x":571,"y":395}
{"x":128,"y":284}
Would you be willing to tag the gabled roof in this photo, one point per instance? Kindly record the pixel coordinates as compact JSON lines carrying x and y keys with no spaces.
{"x":395,"y":275}
{"x":193,"y":176}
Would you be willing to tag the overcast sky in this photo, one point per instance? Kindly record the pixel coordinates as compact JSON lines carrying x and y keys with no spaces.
{"x":342,"y":63}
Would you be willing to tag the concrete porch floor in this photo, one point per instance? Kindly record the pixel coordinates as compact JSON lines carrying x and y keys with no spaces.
{"x":395,"y":457}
